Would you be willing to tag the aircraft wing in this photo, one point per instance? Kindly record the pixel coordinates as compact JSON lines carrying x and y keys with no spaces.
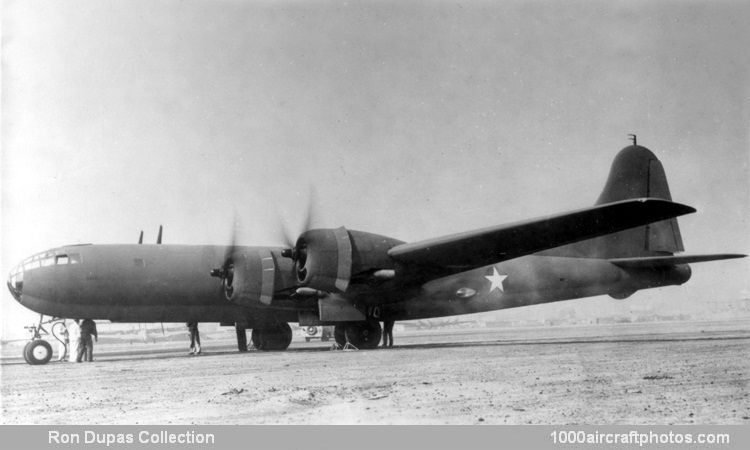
{"x":650,"y":262}
{"x":464,"y":251}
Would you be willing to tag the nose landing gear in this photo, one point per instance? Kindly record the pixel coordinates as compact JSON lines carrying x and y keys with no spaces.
{"x":38,"y":351}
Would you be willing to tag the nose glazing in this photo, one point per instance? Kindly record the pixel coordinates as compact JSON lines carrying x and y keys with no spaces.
{"x":15,"y":282}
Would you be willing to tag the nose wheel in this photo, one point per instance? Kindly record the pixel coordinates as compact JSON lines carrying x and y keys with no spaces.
{"x":37,"y":352}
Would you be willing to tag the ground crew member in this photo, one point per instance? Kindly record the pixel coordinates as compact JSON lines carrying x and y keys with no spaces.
{"x":388,"y":333}
{"x":195,"y":338}
{"x":74,"y":335}
{"x":241,"y":337}
{"x":63,"y":343}
{"x":86,"y":347}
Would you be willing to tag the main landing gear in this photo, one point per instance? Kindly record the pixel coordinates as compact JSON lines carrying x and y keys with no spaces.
{"x":275,"y":337}
{"x":362,"y":335}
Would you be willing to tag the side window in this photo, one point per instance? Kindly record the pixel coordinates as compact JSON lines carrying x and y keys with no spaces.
{"x":48,"y":261}
{"x":61,"y":259}
{"x":75,"y":258}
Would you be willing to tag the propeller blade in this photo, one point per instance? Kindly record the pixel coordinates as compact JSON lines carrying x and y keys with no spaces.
{"x":290,"y":238}
{"x":140,"y":239}
{"x":230,"y":251}
{"x":158,"y":238}
{"x":285,"y":236}
{"x":310,"y":209}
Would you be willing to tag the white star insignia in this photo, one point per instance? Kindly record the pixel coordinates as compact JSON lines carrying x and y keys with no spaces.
{"x":496,"y":280}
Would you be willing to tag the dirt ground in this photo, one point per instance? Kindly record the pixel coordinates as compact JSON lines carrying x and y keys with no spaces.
{"x":626,"y":374}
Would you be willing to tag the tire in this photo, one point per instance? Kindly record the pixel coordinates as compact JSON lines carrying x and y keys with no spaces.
{"x":277,"y":337}
{"x":339,"y":335}
{"x":25,"y":349}
{"x":255,"y":336}
{"x":38,"y":352}
{"x":364,"y":335}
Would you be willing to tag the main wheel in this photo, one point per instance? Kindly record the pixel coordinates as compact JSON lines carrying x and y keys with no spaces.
{"x":38,"y":352}
{"x":364,"y":335}
{"x":276,"y":337}
{"x":339,"y":335}
{"x":255,"y":338}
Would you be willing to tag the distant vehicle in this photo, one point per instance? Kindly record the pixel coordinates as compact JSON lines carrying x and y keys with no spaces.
{"x":313,"y":332}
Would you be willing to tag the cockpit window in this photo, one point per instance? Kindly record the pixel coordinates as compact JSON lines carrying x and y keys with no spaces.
{"x":16,"y":277}
{"x":47,"y":259}
{"x":31,"y":264}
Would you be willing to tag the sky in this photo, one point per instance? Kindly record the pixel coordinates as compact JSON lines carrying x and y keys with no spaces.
{"x":406,"y":118}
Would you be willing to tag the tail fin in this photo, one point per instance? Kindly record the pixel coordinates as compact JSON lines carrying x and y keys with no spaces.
{"x":635,"y":173}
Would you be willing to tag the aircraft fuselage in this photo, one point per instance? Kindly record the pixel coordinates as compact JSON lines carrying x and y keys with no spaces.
{"x":171,"y":283}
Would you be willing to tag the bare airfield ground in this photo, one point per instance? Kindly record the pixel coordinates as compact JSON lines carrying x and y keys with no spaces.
{"x":678,"y":373}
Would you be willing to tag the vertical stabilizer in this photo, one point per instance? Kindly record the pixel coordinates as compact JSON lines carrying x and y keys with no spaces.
{"x":635,"y":173}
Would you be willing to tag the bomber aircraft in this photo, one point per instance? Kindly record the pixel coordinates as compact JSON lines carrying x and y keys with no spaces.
{"x":353,"y":279}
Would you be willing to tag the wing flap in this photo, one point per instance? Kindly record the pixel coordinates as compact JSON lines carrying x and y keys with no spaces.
{"x":650,"y":262}
{"x":491,"y":245}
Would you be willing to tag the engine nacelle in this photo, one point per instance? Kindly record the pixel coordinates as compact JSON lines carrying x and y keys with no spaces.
{"x":328,"y":259}
{"x":250,"y":277}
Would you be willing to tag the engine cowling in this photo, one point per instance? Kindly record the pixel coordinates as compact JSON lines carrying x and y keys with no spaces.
{"x":328,"y":259}
{"x":249,"y":278}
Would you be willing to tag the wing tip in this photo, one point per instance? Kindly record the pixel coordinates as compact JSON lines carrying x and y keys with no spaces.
{"x":675,"y":209}
{"x":675,"y":204}
{"x":660,"y":261}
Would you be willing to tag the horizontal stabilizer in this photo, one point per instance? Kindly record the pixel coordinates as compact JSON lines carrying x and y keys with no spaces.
{"x":486,"y":246}
{"x":649,"y":262}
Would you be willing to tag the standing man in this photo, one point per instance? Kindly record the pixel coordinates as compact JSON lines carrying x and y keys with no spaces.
{"x":195,"y":338}
{"x":388,"y":333}
{"x":63,"y":344}
{"x":74,"y":335}
{"x":88,"y":329}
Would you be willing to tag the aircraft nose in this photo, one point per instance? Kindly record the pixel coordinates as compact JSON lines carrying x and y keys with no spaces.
{"x":15,"y":282}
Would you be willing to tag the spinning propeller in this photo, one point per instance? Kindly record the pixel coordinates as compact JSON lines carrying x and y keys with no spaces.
{"x":232,"y":271}
{"x":296,"y":247}
{"x":226,"y":271}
